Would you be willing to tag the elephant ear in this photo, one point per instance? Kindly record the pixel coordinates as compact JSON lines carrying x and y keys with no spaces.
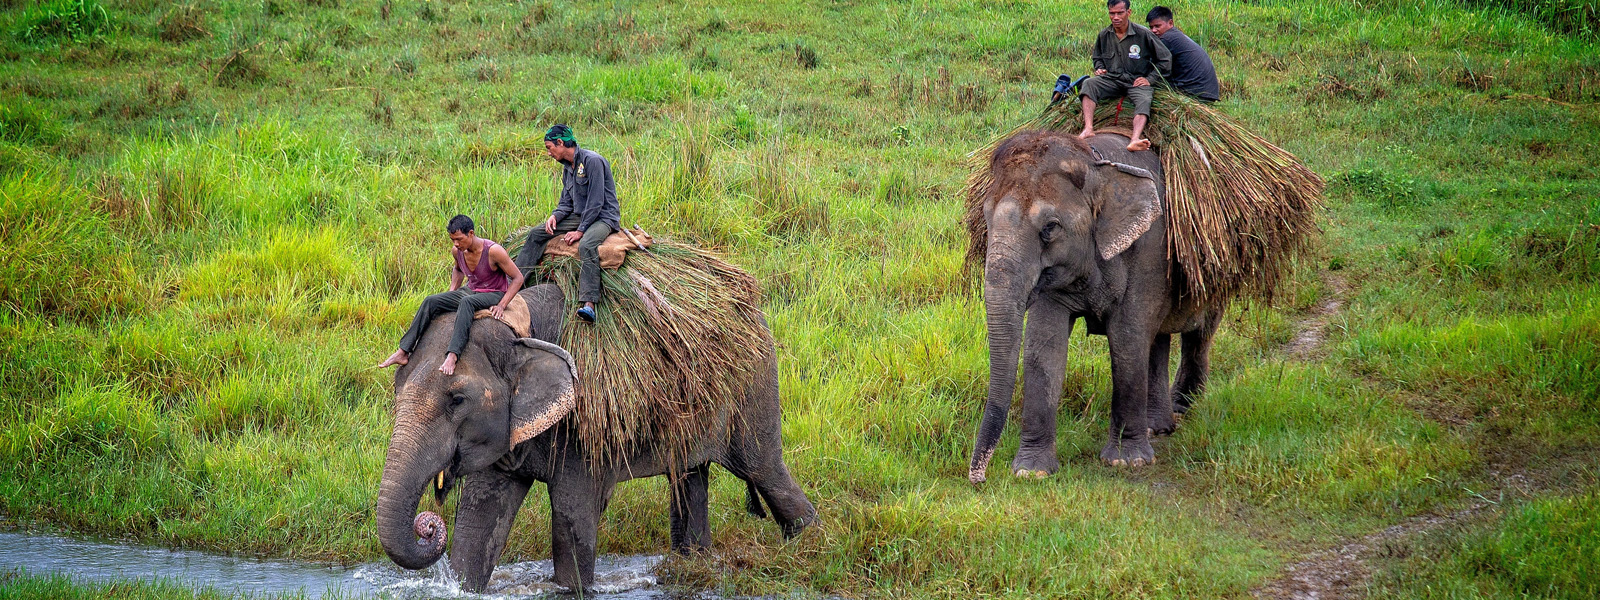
{"x":545,"y":389}
{"x":1129,"y":202}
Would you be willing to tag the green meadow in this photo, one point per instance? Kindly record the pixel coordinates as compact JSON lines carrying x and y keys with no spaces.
{"x":217,"y":215}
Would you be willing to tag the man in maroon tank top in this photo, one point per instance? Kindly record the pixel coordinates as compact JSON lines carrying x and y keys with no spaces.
{"x":492,"y":280}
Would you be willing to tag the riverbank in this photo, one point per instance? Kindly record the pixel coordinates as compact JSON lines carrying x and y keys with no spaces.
{"x":217,"y":217}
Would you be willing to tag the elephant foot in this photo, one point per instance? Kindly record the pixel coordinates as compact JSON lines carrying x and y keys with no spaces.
{"x":1128,"y":453}
{"x":1035,"y":464}
{"x":1160,"y":426}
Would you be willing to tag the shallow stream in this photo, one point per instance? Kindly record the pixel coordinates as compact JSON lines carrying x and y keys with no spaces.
{"x":616,"y":577}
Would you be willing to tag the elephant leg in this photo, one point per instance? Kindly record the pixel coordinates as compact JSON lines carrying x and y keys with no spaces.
{"x":488,"y":505}
{"x":1129,"y":443}
{"x":1195,"y":366}
{"x":691,"y":530}
{"x":576,"y":504}
{"x":1159,"y":406}
{"x":1044,"y":366}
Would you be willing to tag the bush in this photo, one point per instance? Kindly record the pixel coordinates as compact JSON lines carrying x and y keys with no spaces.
{"x":74,"y":20}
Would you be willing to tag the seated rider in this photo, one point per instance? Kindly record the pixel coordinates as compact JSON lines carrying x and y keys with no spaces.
{"x":492,"y":280}
{"x":585,"y":215}
{"x":1126,"y":58}
{"x":1192,"y":71}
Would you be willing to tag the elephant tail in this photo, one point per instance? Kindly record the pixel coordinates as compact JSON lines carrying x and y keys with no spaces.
{"x":752,"y":501}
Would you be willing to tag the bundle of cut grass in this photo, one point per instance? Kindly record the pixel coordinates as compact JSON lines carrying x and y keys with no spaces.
{"x":679,"y":339}
{"x":1238,"y":207}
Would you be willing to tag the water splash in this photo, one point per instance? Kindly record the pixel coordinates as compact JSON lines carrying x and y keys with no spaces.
{"x":616,"y":577}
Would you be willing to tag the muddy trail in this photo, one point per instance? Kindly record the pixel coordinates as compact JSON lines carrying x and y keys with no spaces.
{"x":1343,"y":570}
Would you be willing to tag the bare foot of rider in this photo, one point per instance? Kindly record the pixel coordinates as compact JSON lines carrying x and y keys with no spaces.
{"x":398,"y":358}
{"x":1088,"y":132}
{"x":449,"y":366}
{"x":1138,"y":145}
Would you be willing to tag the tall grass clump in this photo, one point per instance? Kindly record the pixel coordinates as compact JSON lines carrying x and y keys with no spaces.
{"x":1579,"y":18}
{"x":70,"y":20}
{"x":61,"y":253}
{"x":25,"y":122}
{"x":91,"y":420}
{"x":787,"y":208}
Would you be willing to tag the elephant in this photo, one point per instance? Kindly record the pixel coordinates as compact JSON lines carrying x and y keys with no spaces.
{"x":497,"y":426}
{"x":1075,"y":228}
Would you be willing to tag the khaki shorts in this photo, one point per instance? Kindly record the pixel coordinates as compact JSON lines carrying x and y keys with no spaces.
{"x":1101,"y":89}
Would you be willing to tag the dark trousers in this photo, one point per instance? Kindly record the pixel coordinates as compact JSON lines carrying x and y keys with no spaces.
{"x":588,"y":253}
{"x":464,"y":302}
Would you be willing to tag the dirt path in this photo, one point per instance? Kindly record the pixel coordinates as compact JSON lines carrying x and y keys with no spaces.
{"x":1307,"y":342}
{"x":1342,"y":572}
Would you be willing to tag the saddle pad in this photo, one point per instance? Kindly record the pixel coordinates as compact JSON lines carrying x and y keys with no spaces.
{"x":612,"y":251}
{"x":515,"y":316}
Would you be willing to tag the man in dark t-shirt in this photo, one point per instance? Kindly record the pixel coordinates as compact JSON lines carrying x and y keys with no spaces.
{"x":1192,"y":71}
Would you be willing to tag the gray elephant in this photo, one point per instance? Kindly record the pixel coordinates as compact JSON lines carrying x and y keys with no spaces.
{"x":1075,"y":229}
{"x":496,"y":426}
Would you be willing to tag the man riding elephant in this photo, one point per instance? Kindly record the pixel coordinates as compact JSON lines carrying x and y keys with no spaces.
{"x":1126,"y":58}
{"x":491,"y":279}
{"x":586,"y":214}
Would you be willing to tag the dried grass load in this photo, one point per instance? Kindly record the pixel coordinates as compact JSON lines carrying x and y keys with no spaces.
{"x":678,"y":339}
{"x":1238,"y":208}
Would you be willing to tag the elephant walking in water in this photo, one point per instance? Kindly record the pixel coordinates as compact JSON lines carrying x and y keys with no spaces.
{"x":496,"y":426}
{"x":1075,"y":230}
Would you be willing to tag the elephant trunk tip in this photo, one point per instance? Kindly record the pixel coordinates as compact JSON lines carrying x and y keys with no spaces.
{"x":432,"y":536}
{"x":431,"y":533}
{"x":980,"y":467}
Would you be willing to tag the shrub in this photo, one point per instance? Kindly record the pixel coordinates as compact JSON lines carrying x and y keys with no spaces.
{"x":74,"y":20}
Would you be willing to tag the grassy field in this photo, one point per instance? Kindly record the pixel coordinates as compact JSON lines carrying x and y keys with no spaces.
{"x":217,"y":215}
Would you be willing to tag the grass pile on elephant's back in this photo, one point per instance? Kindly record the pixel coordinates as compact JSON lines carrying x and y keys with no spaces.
{"x":1238,"y":207}
{"x":678,"y":339}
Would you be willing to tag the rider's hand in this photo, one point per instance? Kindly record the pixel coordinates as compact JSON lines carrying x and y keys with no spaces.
{"x":550,"y":225}
{"x":1099,"y":72}
{"x":1141,"y":82}
{"x":572,"y":237}
{"x":496,"y":310}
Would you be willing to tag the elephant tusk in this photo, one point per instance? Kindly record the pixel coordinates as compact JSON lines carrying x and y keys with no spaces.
{"x":438,"y":484}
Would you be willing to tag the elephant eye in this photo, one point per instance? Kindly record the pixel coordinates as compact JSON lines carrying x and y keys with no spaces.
{"x":457,"y":400}
{"x":1049,"y":231}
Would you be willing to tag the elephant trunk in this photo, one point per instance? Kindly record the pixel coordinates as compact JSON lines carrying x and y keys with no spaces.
{"x":1009,"y":276}
{"x":411,"y":540}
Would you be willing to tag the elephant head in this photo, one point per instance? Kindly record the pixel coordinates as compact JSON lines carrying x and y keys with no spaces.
{"x":505,"y":391}
{"x":1057,"y":216}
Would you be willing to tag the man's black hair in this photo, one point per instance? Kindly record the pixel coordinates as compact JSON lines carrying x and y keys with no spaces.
{"x":1159,"y":13}
{"x":460,"y":224}
{"x":561,"y":134}
{"x":1110,"y":4}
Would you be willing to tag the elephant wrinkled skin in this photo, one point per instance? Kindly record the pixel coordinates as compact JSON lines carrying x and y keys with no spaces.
{"x":1076,"y":230}
{"x":496,"y":426}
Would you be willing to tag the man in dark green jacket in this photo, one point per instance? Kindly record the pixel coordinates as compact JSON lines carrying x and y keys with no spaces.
{"x":1127,"y":58}
{"x":586,"y":214}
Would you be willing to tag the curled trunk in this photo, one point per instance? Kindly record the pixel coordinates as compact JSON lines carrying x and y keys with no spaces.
{"x":411,"y":540}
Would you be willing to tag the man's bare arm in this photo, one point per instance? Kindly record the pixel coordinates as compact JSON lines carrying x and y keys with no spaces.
{"x":503,"y":260}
